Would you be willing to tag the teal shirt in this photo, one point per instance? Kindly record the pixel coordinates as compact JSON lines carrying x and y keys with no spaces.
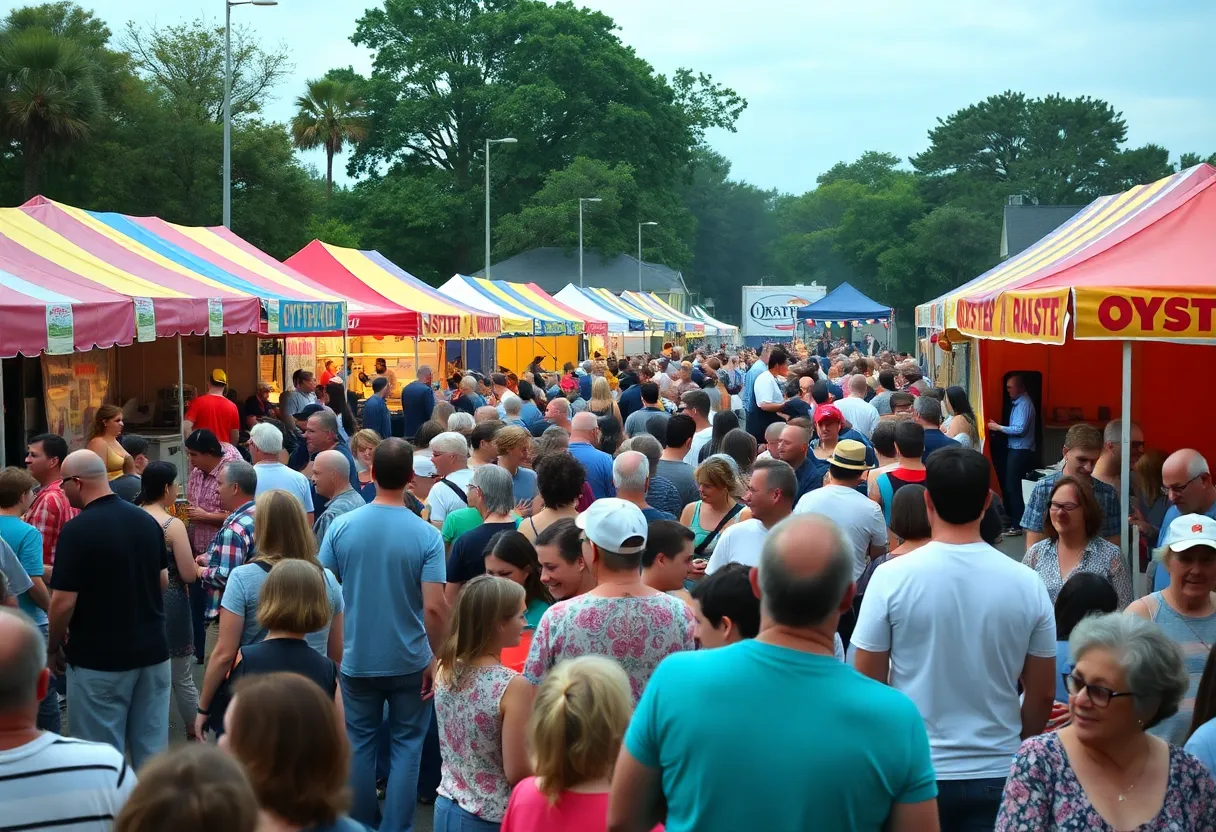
{"x":26,"y":542}
{"x":536,"y":608}
{"x":779,"y":739}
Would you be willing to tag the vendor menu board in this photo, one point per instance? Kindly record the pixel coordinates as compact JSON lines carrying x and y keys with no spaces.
{"x":75,"y":385}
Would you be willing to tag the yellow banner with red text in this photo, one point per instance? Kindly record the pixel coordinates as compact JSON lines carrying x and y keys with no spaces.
{"x":1146,"y":314}
{"x":1030,"y":317}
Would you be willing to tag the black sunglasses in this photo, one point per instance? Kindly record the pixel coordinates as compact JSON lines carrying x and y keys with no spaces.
{"x":1099,"y":695}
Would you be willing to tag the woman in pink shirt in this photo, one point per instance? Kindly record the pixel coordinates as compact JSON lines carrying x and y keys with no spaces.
{"x":578,"y":720}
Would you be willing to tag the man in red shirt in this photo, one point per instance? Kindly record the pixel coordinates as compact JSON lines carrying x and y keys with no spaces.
{"x":214,"y":412}
{"x":50,"y":509}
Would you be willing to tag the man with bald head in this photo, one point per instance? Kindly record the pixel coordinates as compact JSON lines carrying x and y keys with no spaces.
{"x":879,"y":774}
{"x":584,"y":435}
{"x":631,"y":478}
{"x":47,"y":781}
{"x":111,"y":570}
{"x":859,"y":413}
{"x":321,"y":434}
{"x":485,"y":413}
{"x":557,"y":414}
{"x":331,"y":479}
{"x":1188,"y":484}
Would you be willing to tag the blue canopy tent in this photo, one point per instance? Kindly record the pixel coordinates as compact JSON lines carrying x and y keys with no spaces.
{"x":847,"y":307}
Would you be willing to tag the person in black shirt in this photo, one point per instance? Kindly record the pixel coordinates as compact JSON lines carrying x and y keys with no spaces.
{"x":492,"y":494}
{"x":111,"y":570}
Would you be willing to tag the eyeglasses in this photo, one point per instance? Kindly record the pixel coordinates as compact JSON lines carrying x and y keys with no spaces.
{"x":1065,"y":507}
{"x":1100,"y":696}
{"x":73,"y":479}
{"x":1178,"y":489}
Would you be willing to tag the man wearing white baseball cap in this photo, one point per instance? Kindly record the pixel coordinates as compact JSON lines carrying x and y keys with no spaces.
{"x":622,"y":618}
{"x":1184,"y":609}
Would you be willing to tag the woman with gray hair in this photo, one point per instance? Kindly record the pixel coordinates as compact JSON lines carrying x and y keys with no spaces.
{"x":491,"y":492}
{"x":1105,"y":771}
{"x":1186,"y":609}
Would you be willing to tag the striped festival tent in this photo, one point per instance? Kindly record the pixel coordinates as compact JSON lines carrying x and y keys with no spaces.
{"x":649,"y":300}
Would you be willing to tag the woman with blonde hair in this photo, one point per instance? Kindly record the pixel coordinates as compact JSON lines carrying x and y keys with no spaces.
{"x":281,"y":532}
{"x":192,"y":788}
{"x":481,"y":707}
{"x":602,"y":403}
{"x":102,"y":439}
{"x":717,"y":510}
{"x":362,"y":446}
{"x":579,"y":718}
{"x":292,"y":742}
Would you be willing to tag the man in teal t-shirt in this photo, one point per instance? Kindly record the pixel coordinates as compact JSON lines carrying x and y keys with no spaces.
{"x":783,"y":735}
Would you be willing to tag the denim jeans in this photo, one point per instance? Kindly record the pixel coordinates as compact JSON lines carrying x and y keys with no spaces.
{"x":198,"y":605}
{"x":969,"y":805}
{"x":1018,"y":463}
{"x":409,"y":717}
{"x":429,"y":769}
{"x":48,"y":709}
{"x":451,"y":818}
{"x":128,"y":709}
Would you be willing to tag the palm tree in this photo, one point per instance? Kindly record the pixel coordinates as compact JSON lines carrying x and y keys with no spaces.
{"x":49,"y":99}
{"x":329,"y":116}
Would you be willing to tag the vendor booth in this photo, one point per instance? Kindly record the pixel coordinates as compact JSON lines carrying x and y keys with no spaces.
{"x":691,"y":327}
{"x":1118,"y":299}
{"x":624,"y":333}
{"x":180,"y":301}
{"x":848,"y":310}
{"x":657,"y":328}
{"x":715,"y":331}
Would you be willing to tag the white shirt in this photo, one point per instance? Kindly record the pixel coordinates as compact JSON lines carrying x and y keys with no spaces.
{"x":62,"y":783}
{"x":443,"y":500}
{"x":272,"y":475}
{"x":699,"y":440}
{"x":739,"y":543}
{"x":767,"y":390}
{"x":959,"y":622}
{"x":859,"y":413}
{"x":859,"y":517}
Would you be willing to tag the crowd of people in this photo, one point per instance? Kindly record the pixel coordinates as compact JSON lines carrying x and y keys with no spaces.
{"x":713,"y":590}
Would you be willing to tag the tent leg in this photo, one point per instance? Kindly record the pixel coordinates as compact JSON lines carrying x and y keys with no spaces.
{"x":464,"y":356}
{"x":181,"y":387}
{"x":346,"y":350}
{"x":416,"y":358}
{"x":3,"y":429}
{"x":1125,"y":442}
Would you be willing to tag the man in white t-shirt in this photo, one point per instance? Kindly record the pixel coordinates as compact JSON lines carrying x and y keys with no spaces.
{"x":955,"y":627}
{"x":48,"y":781}
{"x":696,"y":406}
{"x":450,"y":456}
{"x":862,"y":415}
{"x":265,"y":445}
{"x":768,"y":395}
{"x":859,"y":517}
{"x":770,"y":496}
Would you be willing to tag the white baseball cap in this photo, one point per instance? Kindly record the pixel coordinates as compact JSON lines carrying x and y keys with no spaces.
{"x":1191,"y":530}
{"x":610,"y":522}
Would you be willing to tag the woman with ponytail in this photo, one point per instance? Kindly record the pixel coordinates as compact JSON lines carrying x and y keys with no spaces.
{"x":579,"y":718}
{"x":481,"y":706}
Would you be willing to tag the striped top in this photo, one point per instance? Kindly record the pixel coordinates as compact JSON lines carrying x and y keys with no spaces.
{"x":1195,"y":636}
{"x":63,"y":784}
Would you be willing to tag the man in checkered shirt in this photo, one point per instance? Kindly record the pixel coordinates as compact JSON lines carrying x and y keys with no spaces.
{"x":232,"y":546}
{"x":50,"y":509}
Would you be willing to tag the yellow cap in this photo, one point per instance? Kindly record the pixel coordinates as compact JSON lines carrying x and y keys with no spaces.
{"x":218,"y":376}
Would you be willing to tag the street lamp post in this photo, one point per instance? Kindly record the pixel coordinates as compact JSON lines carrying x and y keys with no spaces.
{"x":580,"y":234}
{"x":488,"y":143}
{"x":640,"y":251}
{"x":228,"y":4}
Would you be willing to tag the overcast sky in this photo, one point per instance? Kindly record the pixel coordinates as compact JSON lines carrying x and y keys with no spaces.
{"x":826,"y":81}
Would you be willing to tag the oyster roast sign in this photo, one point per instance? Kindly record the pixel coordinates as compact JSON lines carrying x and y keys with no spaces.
{"x":773,"y":310}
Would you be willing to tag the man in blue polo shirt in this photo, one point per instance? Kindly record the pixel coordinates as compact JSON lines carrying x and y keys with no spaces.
{"x":375,"y":409}
{"x":1188,"y":482}
{"x":584,"y":434}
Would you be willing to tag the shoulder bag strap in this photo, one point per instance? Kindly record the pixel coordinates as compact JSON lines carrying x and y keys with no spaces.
{"x":459,"y":492}
{"x":726,"y":518}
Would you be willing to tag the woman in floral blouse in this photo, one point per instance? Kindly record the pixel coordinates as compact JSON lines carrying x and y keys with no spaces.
{"x":1103,"y":772}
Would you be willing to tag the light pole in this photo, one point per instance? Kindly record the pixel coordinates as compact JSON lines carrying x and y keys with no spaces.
{"x":640,"y":251}
{"x":228,"y":4}
{"x":580,"y":234}
{"x":488,"y":143}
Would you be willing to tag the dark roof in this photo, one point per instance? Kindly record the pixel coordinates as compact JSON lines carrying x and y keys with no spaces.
{"x":1025,"y":225}
{"x":552,"y":268}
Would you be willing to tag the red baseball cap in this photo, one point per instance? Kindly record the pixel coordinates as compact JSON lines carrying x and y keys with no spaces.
{"x":826,"y":412}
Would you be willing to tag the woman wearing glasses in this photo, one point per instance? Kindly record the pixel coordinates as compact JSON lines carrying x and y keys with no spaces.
{"x":1185,"y":610}
{"x":1073,"y":544}
{"x":1104,"y":771}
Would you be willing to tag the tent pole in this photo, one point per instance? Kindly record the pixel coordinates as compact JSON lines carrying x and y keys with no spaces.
{"x":416,"y":358}
{"x":345,"y":347}
{"x":3,"y":428}
{"x":181,"y":387}
{"x":1125,"y":442}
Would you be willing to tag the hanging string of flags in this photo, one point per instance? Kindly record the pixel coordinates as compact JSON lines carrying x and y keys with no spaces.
{"x":867,"y":321}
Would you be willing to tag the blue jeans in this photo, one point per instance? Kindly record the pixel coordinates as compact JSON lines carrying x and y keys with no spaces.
{"x":409,"y":716}
{"x":128,"y":709}
{"x":1018,"y":463}
{"x":969,"y":805}
{"x":198,"y":606}
{"x":451,"y":818}
{"x":48,"y":708}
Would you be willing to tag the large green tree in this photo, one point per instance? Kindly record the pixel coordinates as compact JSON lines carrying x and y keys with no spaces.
{"x":329,"y":115}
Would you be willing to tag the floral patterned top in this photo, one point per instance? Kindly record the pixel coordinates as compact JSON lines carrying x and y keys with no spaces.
{"x":470,"y":741}
{"x":637,"y":632}
{"x":1043,"y":794}
{"x":1100,"y":557}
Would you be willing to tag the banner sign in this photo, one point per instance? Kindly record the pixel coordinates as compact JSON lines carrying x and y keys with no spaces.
{"x":1109,"y":313}
{"x":60,"y":329}
{"x":145,"y":320}
{"x":311,"y":316}
{"x":1033,"y":318}
{"x":772,"y":311}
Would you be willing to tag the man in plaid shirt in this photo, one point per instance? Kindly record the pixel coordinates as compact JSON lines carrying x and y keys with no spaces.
{"x":232,"y":546}
{"x":50,"y":509}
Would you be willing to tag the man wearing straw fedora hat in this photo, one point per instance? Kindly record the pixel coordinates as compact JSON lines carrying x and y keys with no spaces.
{"x":859,"y":517}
